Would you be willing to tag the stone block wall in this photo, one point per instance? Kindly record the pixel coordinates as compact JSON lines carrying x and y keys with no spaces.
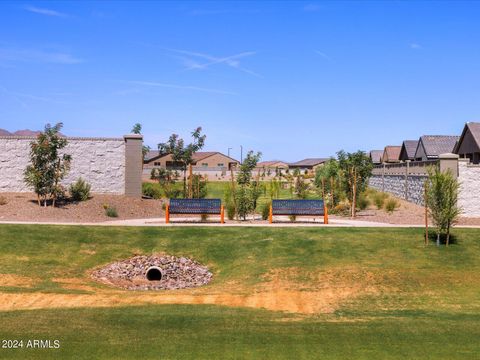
{"x":409,"y":188}
{"x":100,"y":161}
{"x":469,"y":194}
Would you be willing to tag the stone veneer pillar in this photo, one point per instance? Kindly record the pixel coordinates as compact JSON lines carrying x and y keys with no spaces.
{"x":449,"y":162}
{"x":133,"y":164}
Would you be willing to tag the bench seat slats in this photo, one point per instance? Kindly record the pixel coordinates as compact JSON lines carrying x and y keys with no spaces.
{"x":195,"y":206}
{"x":298,"y":207}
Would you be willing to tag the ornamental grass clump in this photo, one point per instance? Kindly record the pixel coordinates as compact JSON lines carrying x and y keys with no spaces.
{"x":80,"y":190}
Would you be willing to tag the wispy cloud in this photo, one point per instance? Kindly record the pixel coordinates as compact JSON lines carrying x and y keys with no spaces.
{"x":22,"y":98}
{"x":201,"y":12}
{"x":43,"y":11}
{"x":32,"y":55}
{"x":415,"y":46}
{"x":181,"y":87}
{"x":191,"y":60}
{"x":311,"y":7}
{"x":323,"y":55}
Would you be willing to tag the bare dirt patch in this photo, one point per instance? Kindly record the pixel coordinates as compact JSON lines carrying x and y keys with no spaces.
{"x":324,"y":294}
{"x":23,"y":207}
{"x":15,"y":280}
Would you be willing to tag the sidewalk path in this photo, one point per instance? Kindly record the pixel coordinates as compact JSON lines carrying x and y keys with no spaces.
{"x":336,"y":222}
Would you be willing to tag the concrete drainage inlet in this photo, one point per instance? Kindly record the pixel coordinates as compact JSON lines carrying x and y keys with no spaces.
{"x":155,"y":272}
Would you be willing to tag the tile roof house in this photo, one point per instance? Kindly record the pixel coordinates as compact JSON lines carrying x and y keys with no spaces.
{"x":468,"y":146}
{"x":391,"y":154}
{"x":273,"y":164}
{"x":207,"y":160}
{"x":309,"y":164}
{"x":376,"y":156}
{"x":409,"y":147}
{"x":430,"y":146}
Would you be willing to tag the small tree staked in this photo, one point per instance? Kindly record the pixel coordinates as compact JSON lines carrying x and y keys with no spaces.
{"x":248,"y":190}
{"x":183,"y":155}
{"x":442,"y":197}
{"x":355,"y":169}
{"x":47,"y":167}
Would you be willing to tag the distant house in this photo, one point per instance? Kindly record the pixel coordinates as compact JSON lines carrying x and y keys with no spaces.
{"x":202,"y":160}
{"x":468,"y":147}
{"x":391,"y":154}
{"x":376,"y":156}
{"x":430,"y":146}
{"x":409,"y":147}
{"x":308,"y":165}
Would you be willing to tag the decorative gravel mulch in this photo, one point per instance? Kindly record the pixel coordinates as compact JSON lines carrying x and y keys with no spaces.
{"x":177,"y":273}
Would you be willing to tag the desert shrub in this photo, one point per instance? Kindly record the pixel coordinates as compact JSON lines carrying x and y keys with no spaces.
{"x":390,"y":205}
{"x":80,"y":190}
{"x":111,"y":211}
{"x":230,"y":211}
{"x":265,"y":210}
{"x":342,"y":208}
{"x":379,"y":199}
{"x":3,"y":200}
{"x":151,"y":190}
{"x":172,"y":193}
{"x":363,"y":202}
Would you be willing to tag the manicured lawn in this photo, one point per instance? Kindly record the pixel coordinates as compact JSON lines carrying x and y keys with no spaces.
{"x":426,"y":302}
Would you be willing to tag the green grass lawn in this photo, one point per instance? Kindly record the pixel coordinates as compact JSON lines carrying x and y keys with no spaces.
{"x":427,"y":305}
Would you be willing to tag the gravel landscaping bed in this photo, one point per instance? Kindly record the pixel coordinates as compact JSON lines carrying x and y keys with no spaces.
{"x":24,"y":207}
{"x":176,"y":273}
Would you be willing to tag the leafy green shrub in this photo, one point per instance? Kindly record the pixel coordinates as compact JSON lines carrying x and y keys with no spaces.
{"x":3,"y":200}
{"x":151,"y":190}
{"x":379,"y":199}
{"x":363,"y":202}
{"x":111,"y":211}
{"x":265,"y":210}
{"x":390,"y":205}
{"x":230,"y":211}
{"x":342,"y":208}
{"x":80,"y":190}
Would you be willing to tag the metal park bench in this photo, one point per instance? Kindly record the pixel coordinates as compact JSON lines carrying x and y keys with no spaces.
{"x":195,"y":206}
{"x":299,"y":208}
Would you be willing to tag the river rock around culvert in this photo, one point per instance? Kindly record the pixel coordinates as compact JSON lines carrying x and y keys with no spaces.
{"x":177,"y":273}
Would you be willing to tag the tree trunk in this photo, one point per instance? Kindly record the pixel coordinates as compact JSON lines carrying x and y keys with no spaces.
{"x":184,"y":182}
{"x":331,"y":191}
{"x":190,"y":180}
{"x":354,"y":193}
{"x":448,"y":234}
{"x":38,"y":200}
{"x":438,"y":238}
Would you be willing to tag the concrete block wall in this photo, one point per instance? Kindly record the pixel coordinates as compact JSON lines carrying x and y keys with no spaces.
{"x":107,"y":164}
{"x":469,"y":194}
{"x":409,"y":188}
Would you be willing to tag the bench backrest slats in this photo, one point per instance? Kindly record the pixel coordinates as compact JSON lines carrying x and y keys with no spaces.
{"x":195,"y":206}
{"x":298,"y":207}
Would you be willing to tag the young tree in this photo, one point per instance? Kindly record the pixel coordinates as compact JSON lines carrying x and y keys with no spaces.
{"x":47,"y":167}
{"x":327,"y":178}
{"x":181,"y":154}
{"x":301,"y":187}
{"x":442,"y":196}
{"x":248,"y":190}
{"x":355,"y":169}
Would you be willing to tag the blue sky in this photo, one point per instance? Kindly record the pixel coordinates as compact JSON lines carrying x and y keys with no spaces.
{"x":290,"y":79}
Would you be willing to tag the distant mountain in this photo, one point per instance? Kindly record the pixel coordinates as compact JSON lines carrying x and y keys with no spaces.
{"x":26,"y":132}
